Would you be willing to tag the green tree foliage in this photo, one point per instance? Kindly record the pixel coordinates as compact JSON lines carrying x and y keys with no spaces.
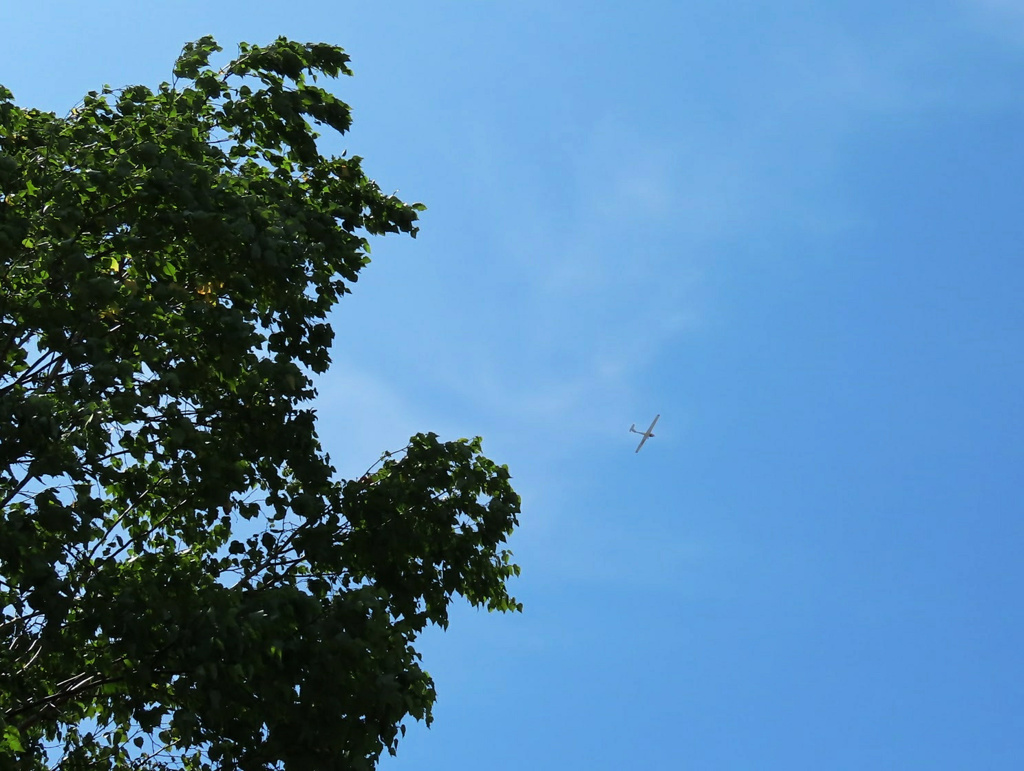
{"x":184,"y":580}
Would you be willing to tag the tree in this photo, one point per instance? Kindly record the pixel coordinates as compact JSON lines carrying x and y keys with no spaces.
{"x":184,"y":580}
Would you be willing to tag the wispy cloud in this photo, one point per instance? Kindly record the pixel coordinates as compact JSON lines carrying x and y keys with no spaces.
{"x":360,"y":415}
{"x":1003,"y":18}
{"x":581,"y":263}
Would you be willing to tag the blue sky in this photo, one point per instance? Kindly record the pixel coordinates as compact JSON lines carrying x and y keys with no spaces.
{"x":793,"y":229}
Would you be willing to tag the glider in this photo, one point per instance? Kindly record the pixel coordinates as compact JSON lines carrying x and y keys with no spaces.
{"x":646,"y":434}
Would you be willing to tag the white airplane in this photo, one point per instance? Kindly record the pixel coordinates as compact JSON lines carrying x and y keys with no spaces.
{"x":646,"y":434}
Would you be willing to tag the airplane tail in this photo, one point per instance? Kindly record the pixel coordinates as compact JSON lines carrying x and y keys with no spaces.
{"x":633,"y":427}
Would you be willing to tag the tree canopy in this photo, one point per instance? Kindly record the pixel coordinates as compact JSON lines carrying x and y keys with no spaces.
{"x":185,"y":581}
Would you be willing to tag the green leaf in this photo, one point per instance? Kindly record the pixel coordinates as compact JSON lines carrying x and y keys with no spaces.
{"x":12,"y":739}
{"x":179,"y":561}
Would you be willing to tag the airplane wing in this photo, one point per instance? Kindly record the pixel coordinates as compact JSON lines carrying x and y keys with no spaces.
{"x":648,"y":431}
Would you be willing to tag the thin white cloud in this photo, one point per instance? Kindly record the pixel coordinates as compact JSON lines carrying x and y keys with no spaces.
{"x":629,"y":551}
{"x":591,"y":259}
{"x":360,"y":415}
{"x":1004,"y":18}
